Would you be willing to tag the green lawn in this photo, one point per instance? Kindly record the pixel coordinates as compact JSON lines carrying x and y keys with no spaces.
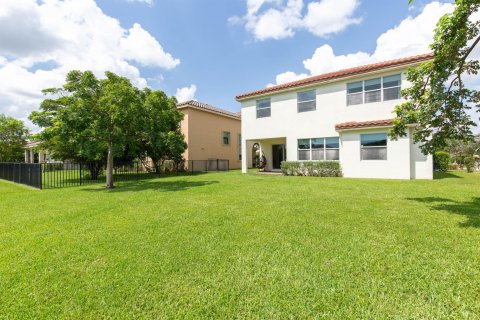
{"x":227,"y":245}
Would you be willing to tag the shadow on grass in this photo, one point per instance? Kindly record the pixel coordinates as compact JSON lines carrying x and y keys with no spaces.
{"x":445,"y":175}
{"x":158,"y":184}
{"x":469,"y":209}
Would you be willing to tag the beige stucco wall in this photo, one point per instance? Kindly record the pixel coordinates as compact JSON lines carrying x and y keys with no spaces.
{"x":203,"y":134}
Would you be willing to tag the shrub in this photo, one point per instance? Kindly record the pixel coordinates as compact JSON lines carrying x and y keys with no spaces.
{"x":470,"y":164}
{"x":312,"y":168}
{"x":441,"y":159}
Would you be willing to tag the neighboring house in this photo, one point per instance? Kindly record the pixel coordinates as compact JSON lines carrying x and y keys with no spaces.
{"x":211,"y":133}
{"x":33,"y":154}
{"x":343,"y":116}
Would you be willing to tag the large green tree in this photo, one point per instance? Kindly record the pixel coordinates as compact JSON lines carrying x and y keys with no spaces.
{"x":91,"y":119}
{"x":439,"y":99}
{"x":13,"y":137}
{"x":160,"y":130}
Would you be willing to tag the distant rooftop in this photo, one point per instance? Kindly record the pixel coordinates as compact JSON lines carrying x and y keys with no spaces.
{"x":209,"y":108}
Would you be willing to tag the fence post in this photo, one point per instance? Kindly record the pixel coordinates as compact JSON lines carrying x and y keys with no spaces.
{"x":40,"y":174}
{"x":80,"y":165}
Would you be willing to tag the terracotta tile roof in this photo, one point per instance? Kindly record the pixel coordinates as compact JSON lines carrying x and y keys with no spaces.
{"x":339,"y":74}
{"x":207,"y":107}
{"x":364,"y":124}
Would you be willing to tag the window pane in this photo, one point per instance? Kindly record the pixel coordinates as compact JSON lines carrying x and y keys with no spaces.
{"x":332,"y":154}
{"x":355,"y":87}
{"x":307,"y":106}
{"x":318,"y":154}
{"x":373,"y":139}
{"x":226,"y":137}
{"x":303,"y":143}
{"x":391,"y":93}
{"x":332,"y":143}
{"x":373,"y":96}
{"x":392,"y":81}
{"x":303,"y":154}
{"x":377,"y":153}
{"x":373,"y":84}
{"x":262,"y":113}
{"x":264,"y":103}
{"x":356,"y":98}
{"x":306,"y":96}
{"x":317,"y":143}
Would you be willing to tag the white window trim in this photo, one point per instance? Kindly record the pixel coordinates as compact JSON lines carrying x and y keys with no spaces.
{"x":264,"y":108}
{"x":301,"y":102}
{"x":382,"y":88}
{"x":310,"y":150}
{"x":373,"y":147}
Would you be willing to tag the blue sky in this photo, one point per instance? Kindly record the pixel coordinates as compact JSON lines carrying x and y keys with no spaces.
{"x":213,"y":49}
{"x":224,"y":60}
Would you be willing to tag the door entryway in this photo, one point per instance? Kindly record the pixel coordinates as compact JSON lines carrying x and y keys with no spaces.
{"x":279,"y":154}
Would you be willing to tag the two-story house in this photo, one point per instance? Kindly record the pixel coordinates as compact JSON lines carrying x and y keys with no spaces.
{"x":343,"y":116}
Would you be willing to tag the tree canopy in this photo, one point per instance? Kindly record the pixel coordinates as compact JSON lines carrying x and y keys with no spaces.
{"x":91,"y":119}
{"x":13,"y":137}
{"x":440,"y":97}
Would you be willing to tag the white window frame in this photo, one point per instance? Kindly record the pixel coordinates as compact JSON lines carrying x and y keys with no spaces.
{"x":310,"y":150}
{"x":303,"y":102}
{"x":382,"y":88}
{"x":379,"y":89}
{"x":269,"y":107}
{"x":374,"y":147}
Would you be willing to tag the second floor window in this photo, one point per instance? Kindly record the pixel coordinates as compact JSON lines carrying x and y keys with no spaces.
{"x":263,"y":108}
{"x":306,"y":101}
{"x":226,"y":137}
{"x":374,"y":90}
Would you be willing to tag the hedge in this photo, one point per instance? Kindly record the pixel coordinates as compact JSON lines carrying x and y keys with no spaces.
{"x":312,"y":168}
{"x":441,"y":159}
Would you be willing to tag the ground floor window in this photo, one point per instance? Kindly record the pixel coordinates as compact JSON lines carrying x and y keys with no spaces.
{"x":373,"y":146}
{"x":319,"y":149}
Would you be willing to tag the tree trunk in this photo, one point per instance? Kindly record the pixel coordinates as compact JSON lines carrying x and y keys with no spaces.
{"x":110,"y":167}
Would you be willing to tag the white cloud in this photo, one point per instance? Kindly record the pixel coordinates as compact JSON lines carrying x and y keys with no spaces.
{"x":283,"y":18}
{"x":142,"y":47}
{"x":288,"y":76}
{"x":330,"y":16}
{"x":66,"y":35}
{"x":186,"y":93}
{"x":150,"y":3}
{"x":412,"y":36}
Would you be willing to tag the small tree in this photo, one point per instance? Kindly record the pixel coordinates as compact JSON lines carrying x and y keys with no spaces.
{"x":13,"y":137}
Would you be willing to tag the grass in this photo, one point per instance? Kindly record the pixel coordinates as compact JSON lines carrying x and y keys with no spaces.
{"x":227,"y":245}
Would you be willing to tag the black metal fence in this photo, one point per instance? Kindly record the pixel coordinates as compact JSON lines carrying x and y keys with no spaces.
{"x":207,"y":165}
{"x":70,"y":174}
{"x":24,"y":173}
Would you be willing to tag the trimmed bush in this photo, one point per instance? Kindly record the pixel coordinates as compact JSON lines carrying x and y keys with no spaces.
{"x":470,"y":164}
{"x":312,"y":168}
{"x":441,"y":159}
